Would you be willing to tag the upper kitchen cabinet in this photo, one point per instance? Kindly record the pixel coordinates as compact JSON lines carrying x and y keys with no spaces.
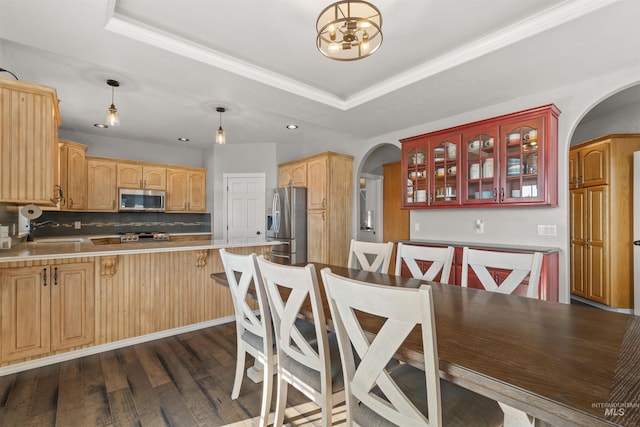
{"x":73,"y":176}
{"x":29,"y":120}
{"x":292,"y":174}
{"x":186,"y":190}
{"x":138,"y":175}
{"x":509,"y":160}
{"x":102,"y":188}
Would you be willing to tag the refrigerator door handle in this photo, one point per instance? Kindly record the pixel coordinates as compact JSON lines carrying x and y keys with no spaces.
{"x":276,"y":213}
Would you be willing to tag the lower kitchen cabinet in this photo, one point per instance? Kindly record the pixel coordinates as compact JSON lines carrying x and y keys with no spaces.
{"x":46,"y":308}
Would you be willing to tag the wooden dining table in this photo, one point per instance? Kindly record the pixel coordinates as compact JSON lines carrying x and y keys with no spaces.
{"x":563,"y":364}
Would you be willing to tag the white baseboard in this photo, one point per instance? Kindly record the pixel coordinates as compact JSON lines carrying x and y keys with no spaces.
{"x":602,"y":306}
{"x":75,"y":354}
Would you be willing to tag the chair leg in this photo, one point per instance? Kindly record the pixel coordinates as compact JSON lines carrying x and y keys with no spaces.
{"x":281,"y":402}
{"x":267,"y":390}
{"x":327,"y":409}
{"x":237,"y":382}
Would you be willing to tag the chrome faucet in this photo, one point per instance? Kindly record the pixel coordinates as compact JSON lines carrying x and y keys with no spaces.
{"x":35,"y":225}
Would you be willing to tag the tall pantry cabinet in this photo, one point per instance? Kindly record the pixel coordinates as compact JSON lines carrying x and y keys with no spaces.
{"x":601,"y":205}
{"x":329,"y":182}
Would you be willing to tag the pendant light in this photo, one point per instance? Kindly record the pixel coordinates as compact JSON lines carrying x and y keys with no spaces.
{"x":112,"y":112}
{"x":220,"y":136}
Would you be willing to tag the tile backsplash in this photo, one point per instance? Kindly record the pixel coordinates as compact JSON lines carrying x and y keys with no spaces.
{"x":104,"y":223}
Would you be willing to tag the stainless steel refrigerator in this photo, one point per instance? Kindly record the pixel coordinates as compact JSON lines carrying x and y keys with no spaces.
{"x":288,"y":224}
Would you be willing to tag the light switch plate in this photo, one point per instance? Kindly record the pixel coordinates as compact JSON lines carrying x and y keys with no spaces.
{"x":547,"y":230}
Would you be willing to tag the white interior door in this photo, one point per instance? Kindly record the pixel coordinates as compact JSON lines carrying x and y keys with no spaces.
{"x":636,"y":232}
{"x":245,"y":207}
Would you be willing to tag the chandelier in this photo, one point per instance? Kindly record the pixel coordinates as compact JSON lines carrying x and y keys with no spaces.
{"x":349,"y":30}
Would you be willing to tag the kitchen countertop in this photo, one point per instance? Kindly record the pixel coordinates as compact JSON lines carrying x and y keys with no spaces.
{"x":81,"y":246}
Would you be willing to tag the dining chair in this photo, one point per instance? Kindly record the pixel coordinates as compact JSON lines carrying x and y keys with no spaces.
{"x":519,"y":265}
{"x":254,"y":331}
{"x":440,"y":258}
{"x":370,"y":256}
{"x":404,"y":396}
{"x":311,"y":366}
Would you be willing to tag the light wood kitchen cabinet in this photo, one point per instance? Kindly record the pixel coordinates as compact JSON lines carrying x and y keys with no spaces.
{"x":102,"y":185}
{"x":317,"y":227}
{"x":186,"y":190}
{"x":46,"y":308}
{"x":293,"y":174}
{"x":329,"y":181}
{"x":73,"y":176}
{"x":29,"y":120}
{"x":601,"y":220}
{"x":136,"y":175}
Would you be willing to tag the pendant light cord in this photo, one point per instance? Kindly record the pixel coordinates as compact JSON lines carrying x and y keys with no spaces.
{"x":2,"y":70}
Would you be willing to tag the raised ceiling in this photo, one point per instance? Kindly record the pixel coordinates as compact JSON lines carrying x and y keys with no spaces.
{"x":178,"y":60}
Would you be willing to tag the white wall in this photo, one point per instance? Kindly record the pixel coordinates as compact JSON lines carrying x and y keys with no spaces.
{"x":623,"y":120}
{"x":106,"y":146}
{"x":240,"y":158}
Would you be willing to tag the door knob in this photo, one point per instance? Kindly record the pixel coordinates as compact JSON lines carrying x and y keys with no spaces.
{"x":258,"y":232}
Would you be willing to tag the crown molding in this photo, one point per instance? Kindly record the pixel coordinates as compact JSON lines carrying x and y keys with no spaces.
{"x":518,"y":31}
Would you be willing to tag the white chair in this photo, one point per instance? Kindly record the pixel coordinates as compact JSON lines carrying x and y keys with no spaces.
{"x":440,"y":258}
{"x":404,"y":396}
{"x":254,"y":332}
{"x":370,"y":256}
{"x":520,"y":266}
{"x":312,"y":367}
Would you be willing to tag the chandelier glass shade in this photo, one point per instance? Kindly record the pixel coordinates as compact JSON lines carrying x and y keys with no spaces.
{"x":221,"y":138}
{"x":349,"y":30}
{"x":112,"y":112}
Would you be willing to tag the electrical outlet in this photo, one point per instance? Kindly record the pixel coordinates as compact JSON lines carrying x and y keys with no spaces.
{"x":547,"y":230}
{"x":77,"y":225}
{"x":479,"y":226}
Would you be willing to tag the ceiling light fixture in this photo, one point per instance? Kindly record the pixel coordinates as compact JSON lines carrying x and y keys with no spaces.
{"x":112,"y":112}
{"x":183,"y":139}
{"x":349,"y":30}
{"x":292,"y":127}
{"x":220,"y":136}
{"x":101,"y":125}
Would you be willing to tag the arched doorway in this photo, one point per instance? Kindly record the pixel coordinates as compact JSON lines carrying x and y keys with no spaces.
{"x":371,"y":203}
{"x":616,"y":114}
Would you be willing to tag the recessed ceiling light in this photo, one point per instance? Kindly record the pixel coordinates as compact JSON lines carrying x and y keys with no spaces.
{"x":101,"y":125}
{"x":183,"y":139}
{"x":292,"y":127}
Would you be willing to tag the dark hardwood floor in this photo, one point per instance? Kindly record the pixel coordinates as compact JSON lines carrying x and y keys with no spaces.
{"x":184,"y":380}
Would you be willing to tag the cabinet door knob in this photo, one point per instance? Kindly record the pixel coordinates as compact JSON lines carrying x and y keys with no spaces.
{"x":44,"y":276}
{"x":55,"y":276}
{"x":70,"y":202}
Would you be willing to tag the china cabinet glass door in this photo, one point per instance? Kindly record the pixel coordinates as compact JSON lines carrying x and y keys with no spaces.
{"x":416,"y":179}
{"x":480,"y":166}
{"x":521,"y":161}
{"x":444,"y":162}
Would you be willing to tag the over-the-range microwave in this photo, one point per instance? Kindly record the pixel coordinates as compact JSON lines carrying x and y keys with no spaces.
{"x":137,"y":200}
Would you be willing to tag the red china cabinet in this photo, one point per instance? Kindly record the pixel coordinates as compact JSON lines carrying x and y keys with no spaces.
{"x":510,"y":160}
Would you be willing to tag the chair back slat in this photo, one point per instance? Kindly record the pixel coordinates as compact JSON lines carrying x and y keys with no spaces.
{"x":520,"y":265}
{"x":370,"y":256}
{"x":440,"y":258}
{"x":368,"y":382}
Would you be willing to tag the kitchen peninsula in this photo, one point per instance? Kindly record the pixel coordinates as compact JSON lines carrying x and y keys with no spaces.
{"x":63,"y":298}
